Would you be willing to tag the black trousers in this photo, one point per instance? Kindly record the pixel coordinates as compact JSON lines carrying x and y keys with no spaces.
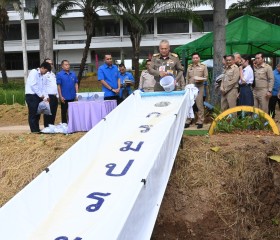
{"x":64,"y":110}
{"x":50,"y":119}
{"x":114,"y":98}
{"x":272,"y":104}
{"x":33,"y":101}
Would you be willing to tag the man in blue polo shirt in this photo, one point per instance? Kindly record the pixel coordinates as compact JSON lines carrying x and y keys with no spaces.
{"x":67,"y":86}
{"x":108,"y":75}
{"x":127,"y":80}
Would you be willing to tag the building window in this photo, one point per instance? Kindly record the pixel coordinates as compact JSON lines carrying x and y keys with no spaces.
{"x":149,"y":30}
{"x":171,"y":25}
{"x":108,"y":28}
{"x":207,"y":24}
{"x":14,"y":61}
{"x":14,"y":32}
{"x":32,"y":30}
{"x":30,"y":3}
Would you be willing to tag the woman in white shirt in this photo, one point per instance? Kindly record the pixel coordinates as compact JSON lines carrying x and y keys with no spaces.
{"x":245,"y":82}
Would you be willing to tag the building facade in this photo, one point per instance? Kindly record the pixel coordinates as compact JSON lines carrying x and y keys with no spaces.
{"x":110,"y":35}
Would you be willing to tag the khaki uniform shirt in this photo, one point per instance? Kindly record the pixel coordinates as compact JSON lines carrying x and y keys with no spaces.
{"x":146,"y":80}
{"x":231,"y":78}
{"x":199,"y":70}
{"x":264,"y":77}
{"x":169,"y":64}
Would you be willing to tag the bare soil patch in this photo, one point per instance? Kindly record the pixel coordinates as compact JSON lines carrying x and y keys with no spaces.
{"x":230,"y":194}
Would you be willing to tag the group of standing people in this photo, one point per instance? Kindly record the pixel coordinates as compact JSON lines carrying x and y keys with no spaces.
{"x":43,"y":85}
{"x":251,"y":84}
{"x":242,"y":83}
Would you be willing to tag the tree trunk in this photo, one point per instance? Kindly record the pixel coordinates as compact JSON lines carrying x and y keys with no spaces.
{"x":84,"y":58}
{"x":4,"y":19}
{"x":135,"y":40}
{"x":45,"y":30}
{"x":219,"y":45}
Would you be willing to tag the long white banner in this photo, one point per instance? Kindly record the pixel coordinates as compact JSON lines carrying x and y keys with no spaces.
{"x":110,"y":184}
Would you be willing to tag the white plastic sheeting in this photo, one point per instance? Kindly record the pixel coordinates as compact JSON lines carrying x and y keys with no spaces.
{"x":110,"y":184}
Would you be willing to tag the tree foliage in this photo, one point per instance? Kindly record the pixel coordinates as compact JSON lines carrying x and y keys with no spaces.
{"x":4,"y":21}
{"x":89,"y":9}
{"x":136,"y":13}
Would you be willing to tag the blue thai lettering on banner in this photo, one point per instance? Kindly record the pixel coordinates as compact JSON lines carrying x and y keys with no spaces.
{"x":147,"y":128}
{"x":128,"y":147}
{"x":95,"y":195}
{"x":153,"y":113}
{"x":66,"y":238}
{"x":112,"y":166}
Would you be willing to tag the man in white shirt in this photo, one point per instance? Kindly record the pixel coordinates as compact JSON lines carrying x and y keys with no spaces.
{"x":51,"y":90}
{"x":35,"y":93}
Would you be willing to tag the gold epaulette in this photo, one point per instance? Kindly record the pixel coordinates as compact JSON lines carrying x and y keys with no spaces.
{"x":174,"y":54}
{"x":156,"y":55}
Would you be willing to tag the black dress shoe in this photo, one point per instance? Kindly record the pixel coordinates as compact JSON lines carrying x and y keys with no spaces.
{"x":187,"y":125}
{"x":199,"y":126}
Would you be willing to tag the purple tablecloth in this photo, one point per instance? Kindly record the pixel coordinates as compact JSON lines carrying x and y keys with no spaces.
{"x":84,"y":115}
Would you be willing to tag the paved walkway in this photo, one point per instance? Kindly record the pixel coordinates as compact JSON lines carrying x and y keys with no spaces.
{"x":16,"y":129}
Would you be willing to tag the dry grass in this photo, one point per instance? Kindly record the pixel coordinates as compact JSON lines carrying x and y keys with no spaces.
{"x":236,"y":184}
{"x":24,"y":156}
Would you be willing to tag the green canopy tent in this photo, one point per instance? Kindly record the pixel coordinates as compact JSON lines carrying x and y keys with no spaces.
{"x":246,"y":35}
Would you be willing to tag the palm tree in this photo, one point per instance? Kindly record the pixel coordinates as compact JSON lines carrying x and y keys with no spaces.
{"x":136,"y":13}
{"x":258,"y":8}
{"x":43,"y":10}
{"x":4,"y":20}
{"x":89,"y":9}
{"x":45,"y":29}
{"x":219,"y":43}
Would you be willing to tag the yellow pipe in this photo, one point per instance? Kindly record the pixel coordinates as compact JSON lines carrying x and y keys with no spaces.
{"x":246,"y":109}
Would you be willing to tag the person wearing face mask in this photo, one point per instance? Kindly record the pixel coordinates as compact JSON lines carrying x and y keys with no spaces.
{"x":246,"y":80}
{"x":109,"y":76}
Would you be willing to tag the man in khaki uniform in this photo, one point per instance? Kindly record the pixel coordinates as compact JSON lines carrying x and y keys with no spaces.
{"x":264,"y":81}
{"x":147,"y":81}
{"x":229,"y":84}
{"x":164,"y":63}
{"x":197,"y":73}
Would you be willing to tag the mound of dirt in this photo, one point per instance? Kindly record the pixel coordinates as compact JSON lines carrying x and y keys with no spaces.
{"x":230,"y":193}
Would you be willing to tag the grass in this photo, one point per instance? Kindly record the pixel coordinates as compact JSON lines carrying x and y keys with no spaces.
{"x":195,"y":132}
{"x":13,"y":92}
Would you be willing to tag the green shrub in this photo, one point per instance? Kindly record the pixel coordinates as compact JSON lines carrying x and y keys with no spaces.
{"x":90,"y":74}
{"x":242,"y":122}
